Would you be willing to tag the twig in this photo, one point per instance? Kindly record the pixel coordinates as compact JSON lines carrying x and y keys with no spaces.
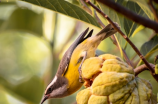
{"x":129,"y":14}
{"x":112,"y":37}
{"x":153,"y":10}
{"x":126,"y":58}
{"x":143,"y":67}
{"x":98,"y":20}
{"x":85,"y":7}
{"x":124,"y":36}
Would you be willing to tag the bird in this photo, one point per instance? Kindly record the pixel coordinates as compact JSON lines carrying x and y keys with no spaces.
{"x":68,"y":78}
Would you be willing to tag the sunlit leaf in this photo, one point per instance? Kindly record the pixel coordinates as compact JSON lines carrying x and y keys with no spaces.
{"x":139,"y":28}
{"x":66,"y":8}
{"x":119,"y":46}
{"x":73,"y":1}
{"x":24,"y":19}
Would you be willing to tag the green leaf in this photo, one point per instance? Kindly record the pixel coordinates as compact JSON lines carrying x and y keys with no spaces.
{"x":24,"y":19}
{"x":130,"y":26}
{"x":66,"y":8}
{"x":115,"y":17}
{"x":149,"y":46}
{"x":144,"y":6}
{"x":120,"y":48}
{"x":127,"y":25}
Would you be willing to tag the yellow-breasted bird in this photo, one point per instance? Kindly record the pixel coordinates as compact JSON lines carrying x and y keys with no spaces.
{"x":68,"y":78}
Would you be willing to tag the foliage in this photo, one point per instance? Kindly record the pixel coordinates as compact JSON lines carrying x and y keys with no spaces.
{"x":28,"y":56}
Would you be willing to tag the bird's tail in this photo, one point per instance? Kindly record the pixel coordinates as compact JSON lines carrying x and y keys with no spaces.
{"x":107,"y":31}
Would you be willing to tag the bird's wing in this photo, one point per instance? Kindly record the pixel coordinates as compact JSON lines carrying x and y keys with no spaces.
{"x":64,"y":63}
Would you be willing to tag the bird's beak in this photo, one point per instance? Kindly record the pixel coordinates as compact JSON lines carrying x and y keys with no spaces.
{"x":45,"y":97}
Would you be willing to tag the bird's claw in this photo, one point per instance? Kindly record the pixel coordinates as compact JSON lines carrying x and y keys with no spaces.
{"x":80,"y":79}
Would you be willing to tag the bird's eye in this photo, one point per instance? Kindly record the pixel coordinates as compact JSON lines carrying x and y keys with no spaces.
{"x":49,"y":90}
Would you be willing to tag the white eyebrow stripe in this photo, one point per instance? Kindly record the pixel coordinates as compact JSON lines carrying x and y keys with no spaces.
{"x":53,"y":81}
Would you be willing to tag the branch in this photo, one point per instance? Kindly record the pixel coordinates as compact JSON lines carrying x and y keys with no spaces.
{"x":143,"y":67}
{"x":86,"y":7}
{"x":124,"y":36}
{"x":131,"y":15}
{"x":98,"y":20}
{"x":153,"y":10}
{"x":156,"y":1}
{"x":112,"y":37}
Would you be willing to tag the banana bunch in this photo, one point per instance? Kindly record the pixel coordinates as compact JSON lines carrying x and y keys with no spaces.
{"x":109,"y":80}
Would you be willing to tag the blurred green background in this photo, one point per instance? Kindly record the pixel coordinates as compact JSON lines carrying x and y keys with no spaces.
{"x":32,"y":42}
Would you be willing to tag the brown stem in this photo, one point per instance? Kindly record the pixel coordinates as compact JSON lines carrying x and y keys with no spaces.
{"x":124,"y":36}
{"x":153,"y":10}
{"x":86,"y":7}
{"x":98,"y":20}
{"x":131,"y":15}
{"x":127,"y":58}
{"x":143,"y":67}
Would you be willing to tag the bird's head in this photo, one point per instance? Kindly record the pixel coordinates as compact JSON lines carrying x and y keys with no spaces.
{"x":56,"y":89}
